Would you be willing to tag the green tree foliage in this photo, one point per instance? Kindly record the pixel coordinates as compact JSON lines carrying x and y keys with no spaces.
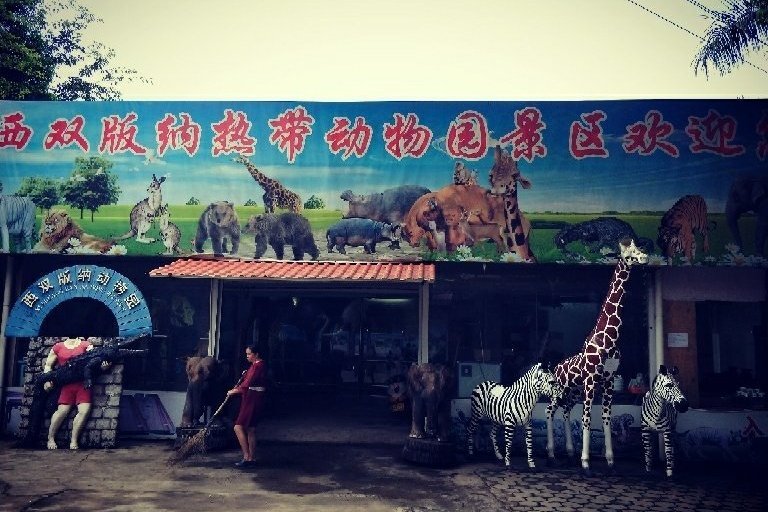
{"x":314,"y":203}
{"x":91,"y":185}
{"x":44,"y":192}
{"x":251,"y":202}
{"x":25,"y":73}
{"x":193,"y":201}
{"x":734,"y":32}
{"x":43,"y":55}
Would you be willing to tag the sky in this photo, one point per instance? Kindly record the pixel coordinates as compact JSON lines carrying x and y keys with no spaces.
{"x":351,"y":50}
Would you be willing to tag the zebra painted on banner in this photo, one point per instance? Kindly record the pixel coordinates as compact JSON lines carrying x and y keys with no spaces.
{"x":659,"y":414}
{"x":509,"y":407}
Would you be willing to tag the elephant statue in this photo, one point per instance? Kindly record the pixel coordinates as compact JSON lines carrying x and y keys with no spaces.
{"x":748,"y":194}
{"x":206,"y":385}
{"x":430,"y":386}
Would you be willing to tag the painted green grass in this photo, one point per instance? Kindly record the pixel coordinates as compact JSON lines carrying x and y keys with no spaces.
{"x":542,"y":240}
{"x":543,"y":246}
{"x":111,"y":221}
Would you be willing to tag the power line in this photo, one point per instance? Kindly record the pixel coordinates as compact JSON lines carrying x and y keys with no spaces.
{"x":714,"y":14}
{"x":719,"y":15}
{"x":666,"y":19}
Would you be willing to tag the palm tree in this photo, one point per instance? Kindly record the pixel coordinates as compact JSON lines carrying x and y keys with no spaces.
{"x":740,"y":28}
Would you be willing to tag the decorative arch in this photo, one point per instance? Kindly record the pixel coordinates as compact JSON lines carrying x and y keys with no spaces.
{"x":103,"y":284}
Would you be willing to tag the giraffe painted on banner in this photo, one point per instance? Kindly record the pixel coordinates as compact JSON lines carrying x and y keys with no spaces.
{"x":504,"y":176}
{"x":275,"y":193}
{"x":592,"y":369}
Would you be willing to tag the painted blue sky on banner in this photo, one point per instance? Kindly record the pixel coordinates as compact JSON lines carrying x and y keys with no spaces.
{"x":581,"y":156}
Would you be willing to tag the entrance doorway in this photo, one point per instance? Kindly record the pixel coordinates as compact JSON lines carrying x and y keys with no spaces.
{"x":331,"y":341}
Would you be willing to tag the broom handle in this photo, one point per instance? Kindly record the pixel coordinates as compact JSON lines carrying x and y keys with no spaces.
{"x":221,"y":407}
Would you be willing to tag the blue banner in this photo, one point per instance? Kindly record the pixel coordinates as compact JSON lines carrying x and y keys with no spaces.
{"x":547,"y":181}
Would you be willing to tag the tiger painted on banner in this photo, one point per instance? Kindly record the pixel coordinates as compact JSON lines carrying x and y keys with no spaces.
{"x":677,"y":232}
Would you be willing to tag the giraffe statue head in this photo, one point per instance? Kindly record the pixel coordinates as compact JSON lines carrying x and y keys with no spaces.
{"x":630,"y":253}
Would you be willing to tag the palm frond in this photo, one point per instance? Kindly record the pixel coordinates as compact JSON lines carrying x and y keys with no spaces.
{"x":732,"y":35}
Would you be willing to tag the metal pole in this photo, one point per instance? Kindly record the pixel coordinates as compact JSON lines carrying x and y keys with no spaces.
{"x":651,"y":321}
{"x":659,"y":322}
{"x":3,"y":339}
{"x":423,"y":356}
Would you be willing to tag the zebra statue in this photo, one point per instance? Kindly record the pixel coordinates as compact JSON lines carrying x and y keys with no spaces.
{"x":659,"y":414}
{"x":509,"y":407}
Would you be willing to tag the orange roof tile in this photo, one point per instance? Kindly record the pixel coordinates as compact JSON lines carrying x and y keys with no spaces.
{"x":356,"y":271}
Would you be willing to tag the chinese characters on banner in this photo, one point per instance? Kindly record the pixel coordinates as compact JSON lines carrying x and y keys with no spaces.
{"x":468,"y":135}
{"x":508,"y":179}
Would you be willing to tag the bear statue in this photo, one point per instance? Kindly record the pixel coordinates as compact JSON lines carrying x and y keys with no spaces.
{"x":206,"y":385}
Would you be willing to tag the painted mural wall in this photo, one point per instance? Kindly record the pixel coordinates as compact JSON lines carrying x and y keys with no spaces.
{"x":552,"y":181}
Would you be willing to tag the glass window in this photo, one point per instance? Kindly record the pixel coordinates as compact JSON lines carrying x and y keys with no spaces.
{"x":732,"y":353}
{"x":180,"y":324}
{"x":514,"y":319}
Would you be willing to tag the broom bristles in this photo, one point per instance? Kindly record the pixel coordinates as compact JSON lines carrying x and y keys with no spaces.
{"x":195,"y":444}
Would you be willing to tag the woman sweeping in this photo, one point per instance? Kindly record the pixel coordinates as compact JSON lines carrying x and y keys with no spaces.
{"x":253,"y":389}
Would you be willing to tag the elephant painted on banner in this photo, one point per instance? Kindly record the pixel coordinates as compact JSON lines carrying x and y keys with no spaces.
{"x":748,"y":194}
{"x":206,"y":385}
{"x":429,"y":386}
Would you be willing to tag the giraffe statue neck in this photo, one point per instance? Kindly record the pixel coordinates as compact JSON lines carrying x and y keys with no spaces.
{"x":606,"y":330}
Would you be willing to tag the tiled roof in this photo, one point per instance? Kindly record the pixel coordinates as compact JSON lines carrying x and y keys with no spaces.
{"x":357,"y":271}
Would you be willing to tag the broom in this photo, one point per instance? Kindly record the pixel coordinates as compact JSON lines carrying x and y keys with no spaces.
{"x":196,"y":443}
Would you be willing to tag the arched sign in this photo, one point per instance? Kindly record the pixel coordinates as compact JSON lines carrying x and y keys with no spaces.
{"x":105,"y":285}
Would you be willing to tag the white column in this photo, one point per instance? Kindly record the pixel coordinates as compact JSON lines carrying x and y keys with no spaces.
{"x":215,"y":318}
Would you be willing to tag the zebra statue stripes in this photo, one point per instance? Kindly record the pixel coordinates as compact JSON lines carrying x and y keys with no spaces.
{"x":509,"y":407}
{"x":659,"y":414}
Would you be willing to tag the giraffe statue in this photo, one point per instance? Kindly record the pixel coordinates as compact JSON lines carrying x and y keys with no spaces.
{"x":275,"y":193}
{"x":582,"y":374}
{"x":504,"y":176}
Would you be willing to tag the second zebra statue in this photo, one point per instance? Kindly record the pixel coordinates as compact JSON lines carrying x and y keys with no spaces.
{"x":659,"y":414}
{"x":509,"y":407}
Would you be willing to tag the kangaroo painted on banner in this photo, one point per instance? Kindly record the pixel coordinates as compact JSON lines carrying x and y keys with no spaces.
{"x":144,"y":212}
{"x":169,"y":232}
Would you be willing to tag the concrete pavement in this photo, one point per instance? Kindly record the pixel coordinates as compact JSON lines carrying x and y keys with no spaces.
{"x":338,"y":456}
{"x":371,"y":477}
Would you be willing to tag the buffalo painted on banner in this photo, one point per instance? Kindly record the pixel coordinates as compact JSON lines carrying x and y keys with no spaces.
{"x":548,"y":181}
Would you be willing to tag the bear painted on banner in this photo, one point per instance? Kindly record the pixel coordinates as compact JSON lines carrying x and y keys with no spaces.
{"x":218,"y":222}
{"x":277,"y":231}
